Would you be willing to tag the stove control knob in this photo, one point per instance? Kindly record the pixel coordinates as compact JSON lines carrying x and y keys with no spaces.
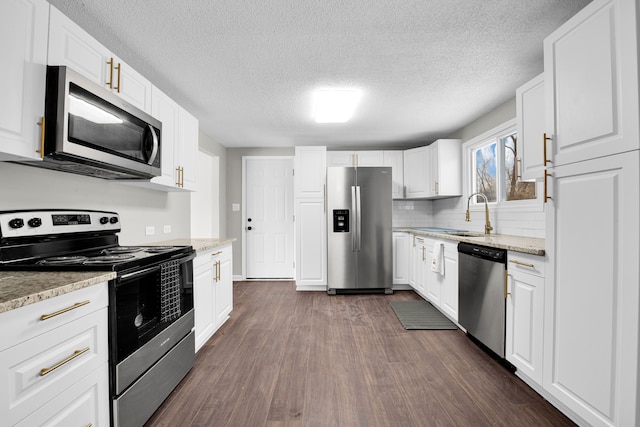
{"x":104,"y":220}
{"x":16,"y":223}
{"x":113,"y":220}
{"x":34,"y":222}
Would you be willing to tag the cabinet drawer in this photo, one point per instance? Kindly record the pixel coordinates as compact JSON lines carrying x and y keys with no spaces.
{"x":41,"y":368}
{"x":526,"y":263}
{"x":26,"y":321}
{"x":219,"y":253}
{"x":84,"y":403}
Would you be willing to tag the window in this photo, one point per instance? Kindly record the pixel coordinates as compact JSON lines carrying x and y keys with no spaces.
{"x":494,"y":165}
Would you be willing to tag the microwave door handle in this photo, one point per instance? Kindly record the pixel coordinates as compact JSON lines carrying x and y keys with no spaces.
{"x":154,"y":150}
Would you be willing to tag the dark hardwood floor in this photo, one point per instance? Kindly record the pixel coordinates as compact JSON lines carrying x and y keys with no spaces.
{"x":288,"y":358}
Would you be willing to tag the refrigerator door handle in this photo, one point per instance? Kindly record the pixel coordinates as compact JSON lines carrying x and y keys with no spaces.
{"x":358,"y":220}
{"x":354,"y":219}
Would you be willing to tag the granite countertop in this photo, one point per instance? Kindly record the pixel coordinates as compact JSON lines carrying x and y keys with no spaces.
{"x":20,"y":288}
{"x":199,"y":244}
{"x":528,"y":245}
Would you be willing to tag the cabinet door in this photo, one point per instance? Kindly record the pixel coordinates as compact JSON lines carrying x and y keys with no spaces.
{"x":72,"y":46}
{"x":187,"y":149}
{"x":592,"y":295}
{"x":369,"y":158}
{"x":311,"y":244}
{"x":132,"y":86}
{"x":23,"y":43}
{"x":445,"y":171}
{"x":418,"y":271}
{"x":530,"y":108}
{"x":591,"y":83}
{"x":394,"y":159}
{"x":433,"y":281}
{"x":310,"y":172}
{"x":340,"y":158}
{"x":416,"y":173}
{"x":204,"y":298}
{"x":449,"y":282}
{"x":525,"y":308}
{"x":224,"y":288}
{"x":167,"y":111}
{"x":401,"y":257}
{"x":85,"y":403}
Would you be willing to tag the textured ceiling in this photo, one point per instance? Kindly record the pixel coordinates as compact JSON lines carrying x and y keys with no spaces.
{"x":247,"y":69}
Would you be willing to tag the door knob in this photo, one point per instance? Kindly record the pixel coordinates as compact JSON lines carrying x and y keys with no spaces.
{"x":249,"y":219}
{"x":248,"y":228}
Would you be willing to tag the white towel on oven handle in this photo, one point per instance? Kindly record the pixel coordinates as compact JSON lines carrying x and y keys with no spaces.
{"x":437,"y":259}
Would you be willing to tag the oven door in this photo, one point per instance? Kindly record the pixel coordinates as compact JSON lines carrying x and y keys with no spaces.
{"x":150,"y":311}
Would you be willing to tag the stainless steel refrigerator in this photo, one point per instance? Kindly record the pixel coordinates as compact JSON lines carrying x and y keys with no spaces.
{"x":359,"y":231}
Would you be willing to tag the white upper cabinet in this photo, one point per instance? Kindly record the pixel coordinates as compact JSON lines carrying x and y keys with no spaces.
{"x":72,"y":46}
{"x":530,"y":107}
{"x":433,"y":171}
{"x":132,"y":86}
{"x":416,"y":173}
{"x":394,"y":159}
{"x":445,"y":170}
{"x":187,"y":149}
{"x":591,"y":83}
{"x":355,"y":158}
{"x":23,"y":43}
{"x":310,"y":172}
{"x":179,"y":146}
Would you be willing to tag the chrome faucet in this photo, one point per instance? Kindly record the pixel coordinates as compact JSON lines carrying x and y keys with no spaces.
{"x":487,"y":224}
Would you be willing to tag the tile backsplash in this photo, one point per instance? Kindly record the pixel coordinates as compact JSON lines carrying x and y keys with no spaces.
{"x":450,"y":213}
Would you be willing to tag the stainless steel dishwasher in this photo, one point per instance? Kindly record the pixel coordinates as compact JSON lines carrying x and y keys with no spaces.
{"x":481,"y":292}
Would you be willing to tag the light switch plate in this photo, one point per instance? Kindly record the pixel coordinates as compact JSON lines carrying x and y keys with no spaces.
{"x":235,"y":207}
{"x":166,"y":229}
{"x":150,"y":230}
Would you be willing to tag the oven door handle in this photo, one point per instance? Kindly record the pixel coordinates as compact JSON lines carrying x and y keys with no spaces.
{"x":138,"y":273}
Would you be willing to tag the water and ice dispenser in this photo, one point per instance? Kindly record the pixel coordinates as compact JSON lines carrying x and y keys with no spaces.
{"x":341,"y":220}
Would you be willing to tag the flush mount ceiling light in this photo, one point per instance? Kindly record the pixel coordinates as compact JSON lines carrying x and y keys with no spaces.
{"x":335,"y":105}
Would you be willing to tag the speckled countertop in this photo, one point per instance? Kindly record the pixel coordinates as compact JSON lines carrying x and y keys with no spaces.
{"x":198,"y":244}
{"x":20,"y":288}
{"x":528,"y":245}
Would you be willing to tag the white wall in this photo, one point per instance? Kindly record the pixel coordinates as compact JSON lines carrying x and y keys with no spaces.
{"x":25,"y":187}
{"x":205,"y":218}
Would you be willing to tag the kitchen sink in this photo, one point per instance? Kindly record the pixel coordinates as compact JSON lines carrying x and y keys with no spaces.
{"x":466,"y":234}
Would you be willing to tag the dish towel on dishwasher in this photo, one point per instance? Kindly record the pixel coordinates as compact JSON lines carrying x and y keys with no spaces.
{"x":437,"y":259}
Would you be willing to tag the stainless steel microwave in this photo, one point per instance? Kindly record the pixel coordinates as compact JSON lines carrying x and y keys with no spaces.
{"x":91,"y":131}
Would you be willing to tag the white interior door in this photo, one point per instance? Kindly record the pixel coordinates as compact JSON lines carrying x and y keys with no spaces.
{"x":269,"y":244}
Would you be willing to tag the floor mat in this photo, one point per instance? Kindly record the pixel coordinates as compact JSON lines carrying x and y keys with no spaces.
{"x":420,"y":315}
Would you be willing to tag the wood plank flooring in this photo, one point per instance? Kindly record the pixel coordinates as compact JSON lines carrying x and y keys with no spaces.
{"x":288,"y":358}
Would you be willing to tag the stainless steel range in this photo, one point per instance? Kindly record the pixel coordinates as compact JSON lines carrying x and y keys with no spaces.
{"x":151,"y":315}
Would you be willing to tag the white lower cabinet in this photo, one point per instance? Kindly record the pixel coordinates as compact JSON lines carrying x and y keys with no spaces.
{"x":212,"y":291}
{"x":401,"y":263}
{"x":311,"y":244}
{"x":592,"y":296}
{"x":525,"y":314}
{"x":442,"y":289}
{"x":55,"y":370}
{"x":418,"y":265}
